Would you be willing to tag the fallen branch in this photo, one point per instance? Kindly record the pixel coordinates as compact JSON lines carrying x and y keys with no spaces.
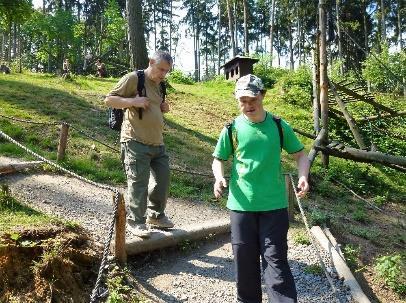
{"x":16,"y":167}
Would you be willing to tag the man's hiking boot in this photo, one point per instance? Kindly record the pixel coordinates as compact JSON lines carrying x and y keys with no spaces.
{"x":162,"y":222}
{"x":139,"y":230}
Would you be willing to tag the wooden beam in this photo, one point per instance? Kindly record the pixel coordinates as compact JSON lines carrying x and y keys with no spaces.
{"x":16,"y":167}
{"x":384,"y":115}
{"x":351,"y":123}
{"x":319,"y":141}
{"x":369,"y":100}
{"x":358,"y":155}
{"x":323,"y":74}
{"x":310,"y":136}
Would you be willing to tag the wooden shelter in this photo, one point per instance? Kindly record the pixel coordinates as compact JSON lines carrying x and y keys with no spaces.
{"x":238,"y":66}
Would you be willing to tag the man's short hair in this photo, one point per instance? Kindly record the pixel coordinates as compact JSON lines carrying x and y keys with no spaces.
{"x":160,"y":55}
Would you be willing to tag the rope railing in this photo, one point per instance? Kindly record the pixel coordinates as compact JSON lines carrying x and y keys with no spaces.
{"x":95,"y":293}
{"x":87,"y":135}
{"x":330,"y":281}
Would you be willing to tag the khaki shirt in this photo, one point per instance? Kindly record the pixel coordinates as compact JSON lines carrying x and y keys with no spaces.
{"x":149,"y":129}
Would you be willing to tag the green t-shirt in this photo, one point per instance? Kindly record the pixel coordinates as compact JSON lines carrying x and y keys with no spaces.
{"x":256,"y":183}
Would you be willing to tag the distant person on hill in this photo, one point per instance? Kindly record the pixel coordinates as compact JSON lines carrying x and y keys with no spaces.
{"x":5,"y":69}
{"x":142,"y":146}
{"x":66,"y":69}
{"x":101,"y":69}
{"x":256,"y":199}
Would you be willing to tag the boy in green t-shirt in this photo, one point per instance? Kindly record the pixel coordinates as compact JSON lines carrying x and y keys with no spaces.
{"x":257,"y":200}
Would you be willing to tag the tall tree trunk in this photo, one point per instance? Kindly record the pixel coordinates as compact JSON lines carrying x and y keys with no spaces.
{"x":271,"y":35}
{"x":9,"y":44}
{"x":246,"y":50}
{"x":20,"y":69}
{"x":399,"y":8}
{"x":383,"y":22}
{"x":291,"y":60}
{"x":14,"y":40}
{"x":235,"y":26}
{"x":136,"y":38}
{"x":340,"y":50}
{"x":323,"y":75}
{"x":231,"y":26}
{"x":101,"y":35}
{"x":154,"y":14}
{"x":299,"y":37}
{"x":219,"y":38}
{"x":43,"y":6}
{"x":365,"y":26}
{"x":170,"y":28}
{"x":271,"y":29}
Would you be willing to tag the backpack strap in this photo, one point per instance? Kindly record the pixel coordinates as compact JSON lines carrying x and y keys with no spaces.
{"x":141,"y":88}
{"x":279,"y":125}
{"x":163,"y":90}
{"x":229,"y":127}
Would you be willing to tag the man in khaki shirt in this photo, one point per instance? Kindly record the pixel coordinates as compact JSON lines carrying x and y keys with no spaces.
{"x":142,"y":146}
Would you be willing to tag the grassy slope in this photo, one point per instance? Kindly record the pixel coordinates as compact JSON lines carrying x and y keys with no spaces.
{"x":198,"y":112}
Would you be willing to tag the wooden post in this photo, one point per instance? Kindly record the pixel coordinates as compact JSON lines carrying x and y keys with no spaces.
{"x":316,"y":87}
{"x":351,"y":123}
{"x":63,"y":140}
{"x":290,"y":195}
{"x":119,"y":246}
{"x":323,"y":75}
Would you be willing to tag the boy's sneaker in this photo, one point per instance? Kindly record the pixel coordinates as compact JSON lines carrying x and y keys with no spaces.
{"x":161,"y":222}
{"x":139,"y":230}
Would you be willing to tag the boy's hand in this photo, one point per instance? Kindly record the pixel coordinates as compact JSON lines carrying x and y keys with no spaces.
{"x":219,"y":186}
{"x":303,"y":187}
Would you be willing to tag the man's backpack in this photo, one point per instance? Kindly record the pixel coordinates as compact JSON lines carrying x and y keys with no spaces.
{"x":116,"y":115}
{"x":277,"y":120}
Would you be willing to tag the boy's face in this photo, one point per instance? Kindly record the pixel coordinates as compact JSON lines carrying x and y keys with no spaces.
{"x":159,"y":70}
{"x":252,"y":107}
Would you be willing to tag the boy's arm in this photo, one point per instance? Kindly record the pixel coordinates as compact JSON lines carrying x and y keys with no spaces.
{"x":303,"y":166}
{"x":220,"y":182}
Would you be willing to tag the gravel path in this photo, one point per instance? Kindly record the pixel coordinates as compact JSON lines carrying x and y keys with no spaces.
{"x":196,"y":272}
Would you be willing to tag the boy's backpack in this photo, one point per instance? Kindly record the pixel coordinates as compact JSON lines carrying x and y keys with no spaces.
{"x":116,"y":115}
{"x":277,"y":120}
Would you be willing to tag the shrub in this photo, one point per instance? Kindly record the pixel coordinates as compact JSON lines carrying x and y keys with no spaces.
{"x":392,"y":270}
{"x":384,"y":70}
{"x":269,"y":75}
{"x":177,"y":76}
{"x":351,"y":254}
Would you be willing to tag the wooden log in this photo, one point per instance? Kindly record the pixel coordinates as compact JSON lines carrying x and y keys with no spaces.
{"x":16,"y":167}
{"x":365,"y":99}
{"x":291,"y":197}
{"x":319,"y":141}
{"x":341,"y":267}
{"x":323,"y":74}
{"x":119,"y":241}
{"x":316,"y":87}
{"x":63,"y":141}
{"x":351,"y":123}
{"x":161,"y":239}
{"x":363,"y":155}
{"x":384,"y":115}
{"x":307,"y":135}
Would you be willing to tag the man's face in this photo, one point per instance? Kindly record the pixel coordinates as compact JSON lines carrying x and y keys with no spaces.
{"x":158,"y":70}
{"x":252,"y":107}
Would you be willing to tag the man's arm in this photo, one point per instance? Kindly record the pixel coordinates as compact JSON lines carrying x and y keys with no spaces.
{"x":121,"y":102}
{"x":303,"y":166}
{"x":218,"y":172}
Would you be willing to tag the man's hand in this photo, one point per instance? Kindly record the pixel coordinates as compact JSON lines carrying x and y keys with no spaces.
{"x":164,"y":107}
{"x":219,"y":186}
{"x":303,"y":186}
{"x":140,"y":102}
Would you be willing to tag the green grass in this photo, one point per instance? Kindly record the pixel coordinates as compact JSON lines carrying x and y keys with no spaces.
{"x":15,"y":214}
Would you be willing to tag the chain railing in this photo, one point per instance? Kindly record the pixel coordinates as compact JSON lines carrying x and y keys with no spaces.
{"x":95,"y":292}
